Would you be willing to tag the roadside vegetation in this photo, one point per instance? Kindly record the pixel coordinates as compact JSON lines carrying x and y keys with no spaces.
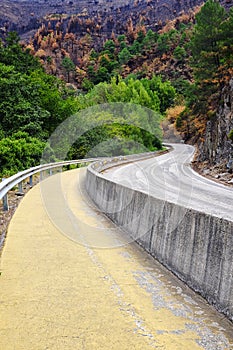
{"x":33,"y":103}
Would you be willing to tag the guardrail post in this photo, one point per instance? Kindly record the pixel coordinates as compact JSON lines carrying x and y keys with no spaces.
{"x":30,"y":180}
{"x":20,"y":187}
{"x":5,"y":201}
{"x":41,"y":175}
{"x":50,"y":172}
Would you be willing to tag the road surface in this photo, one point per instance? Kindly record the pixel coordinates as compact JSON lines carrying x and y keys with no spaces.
{"x":170,"y":178}
{"x":60,"y":292}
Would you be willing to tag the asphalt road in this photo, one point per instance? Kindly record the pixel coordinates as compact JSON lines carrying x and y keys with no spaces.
{"x":170,"y":177}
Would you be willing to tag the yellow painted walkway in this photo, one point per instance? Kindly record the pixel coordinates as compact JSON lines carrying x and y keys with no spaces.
{"x":56,"y":293}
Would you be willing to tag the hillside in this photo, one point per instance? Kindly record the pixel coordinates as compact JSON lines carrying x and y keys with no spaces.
{"x":87,"y":59}
{"x":25,"y":16}
{"x":87,"y":44}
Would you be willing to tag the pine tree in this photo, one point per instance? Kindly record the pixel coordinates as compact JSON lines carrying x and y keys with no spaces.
{"x":69,"y":66}
{"x":207,"y":40}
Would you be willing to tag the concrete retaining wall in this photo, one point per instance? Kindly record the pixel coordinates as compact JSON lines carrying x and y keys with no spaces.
{"x":199,"y":249}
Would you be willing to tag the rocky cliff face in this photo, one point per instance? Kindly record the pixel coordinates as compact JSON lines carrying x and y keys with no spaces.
{"x":217,"y":147}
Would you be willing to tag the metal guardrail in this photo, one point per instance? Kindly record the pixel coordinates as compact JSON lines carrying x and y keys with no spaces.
{"x":7,"y":184}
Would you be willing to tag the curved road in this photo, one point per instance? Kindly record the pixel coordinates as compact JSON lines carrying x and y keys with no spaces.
{"x":171,"y":178}
{"x":67,"y":294}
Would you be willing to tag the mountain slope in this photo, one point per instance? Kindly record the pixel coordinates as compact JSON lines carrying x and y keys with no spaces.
{"x":24,"y":16}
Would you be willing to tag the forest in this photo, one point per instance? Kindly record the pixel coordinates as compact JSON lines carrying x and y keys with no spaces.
{"x":33,"y":103}
{"x":57,"y":74}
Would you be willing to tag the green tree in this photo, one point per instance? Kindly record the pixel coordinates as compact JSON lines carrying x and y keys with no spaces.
{"x":140,"y":36}
{"x":108,"y":63}
{"x":123,"y":45}
{"x":68,"y":66}
{"x":91,"y":72}
{"x":11,"y":53}
{"x":93,"y":55}
{"x":163,"y":43}
{"x":109,"y":46}
{"x":150,"y":39}
{"x":19,"y":152}
{"x":154,"y":94}
{"x":87,"y":85}
{"x":39,"y":102}
{"x":32,"y":105}
{"x":206,"y":41}
{"x":124,"y":56}
{"x":135,"y":48}
{"x":180,"y":53}
{"x":227,"y":39}
{"x":121,"y":38}
{"x":164,"y":90}
{"x":102,"y":74}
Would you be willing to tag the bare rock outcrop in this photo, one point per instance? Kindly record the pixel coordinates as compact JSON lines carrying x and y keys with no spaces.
{"x":217,"y":147}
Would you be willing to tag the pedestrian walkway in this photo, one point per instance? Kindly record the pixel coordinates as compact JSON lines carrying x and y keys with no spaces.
{"x":58,"y":293}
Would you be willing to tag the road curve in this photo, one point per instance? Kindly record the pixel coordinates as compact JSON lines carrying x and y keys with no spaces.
{"x":170,"y":177}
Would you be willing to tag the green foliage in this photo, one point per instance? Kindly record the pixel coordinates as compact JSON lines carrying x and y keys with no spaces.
{"x":114,"y":136}
{"x":37,"y":105}
{"x":230,"y":135}
{"x":108,"y":63}
{"x":91,"y":72}
{"x":183,"y":38}
{"x":69,"y":66}
{"x":140,"y":36}
{"x":87,"y":85}
{"x":124,"y":56}
{"x":212,"y":59}
{"x":153,"y":94}
{"x":110,"y":46}
{"x":135,"y":48}
{"x":163,"y":43}
{"x":101,"y":75}
{"x":117,"y":128}
{"x":114,"y":139}
{"x":41,"y":102}
{"x":164,"y":90}
{"x":93,"y":55}
{"x":19,"y":152}
{"x":115,"y":55}
{"x":11,"y":54}
{"x":178,"y":122}
{"x":121,"y":38}
{"x":227,"y":30}
{"x":150,"y":39}
{"x":123,"y":45}
{"x":206,"y":41}
{"x":32,"y":105}
{"x":180,"y":53}
{"x":183,"y":87}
